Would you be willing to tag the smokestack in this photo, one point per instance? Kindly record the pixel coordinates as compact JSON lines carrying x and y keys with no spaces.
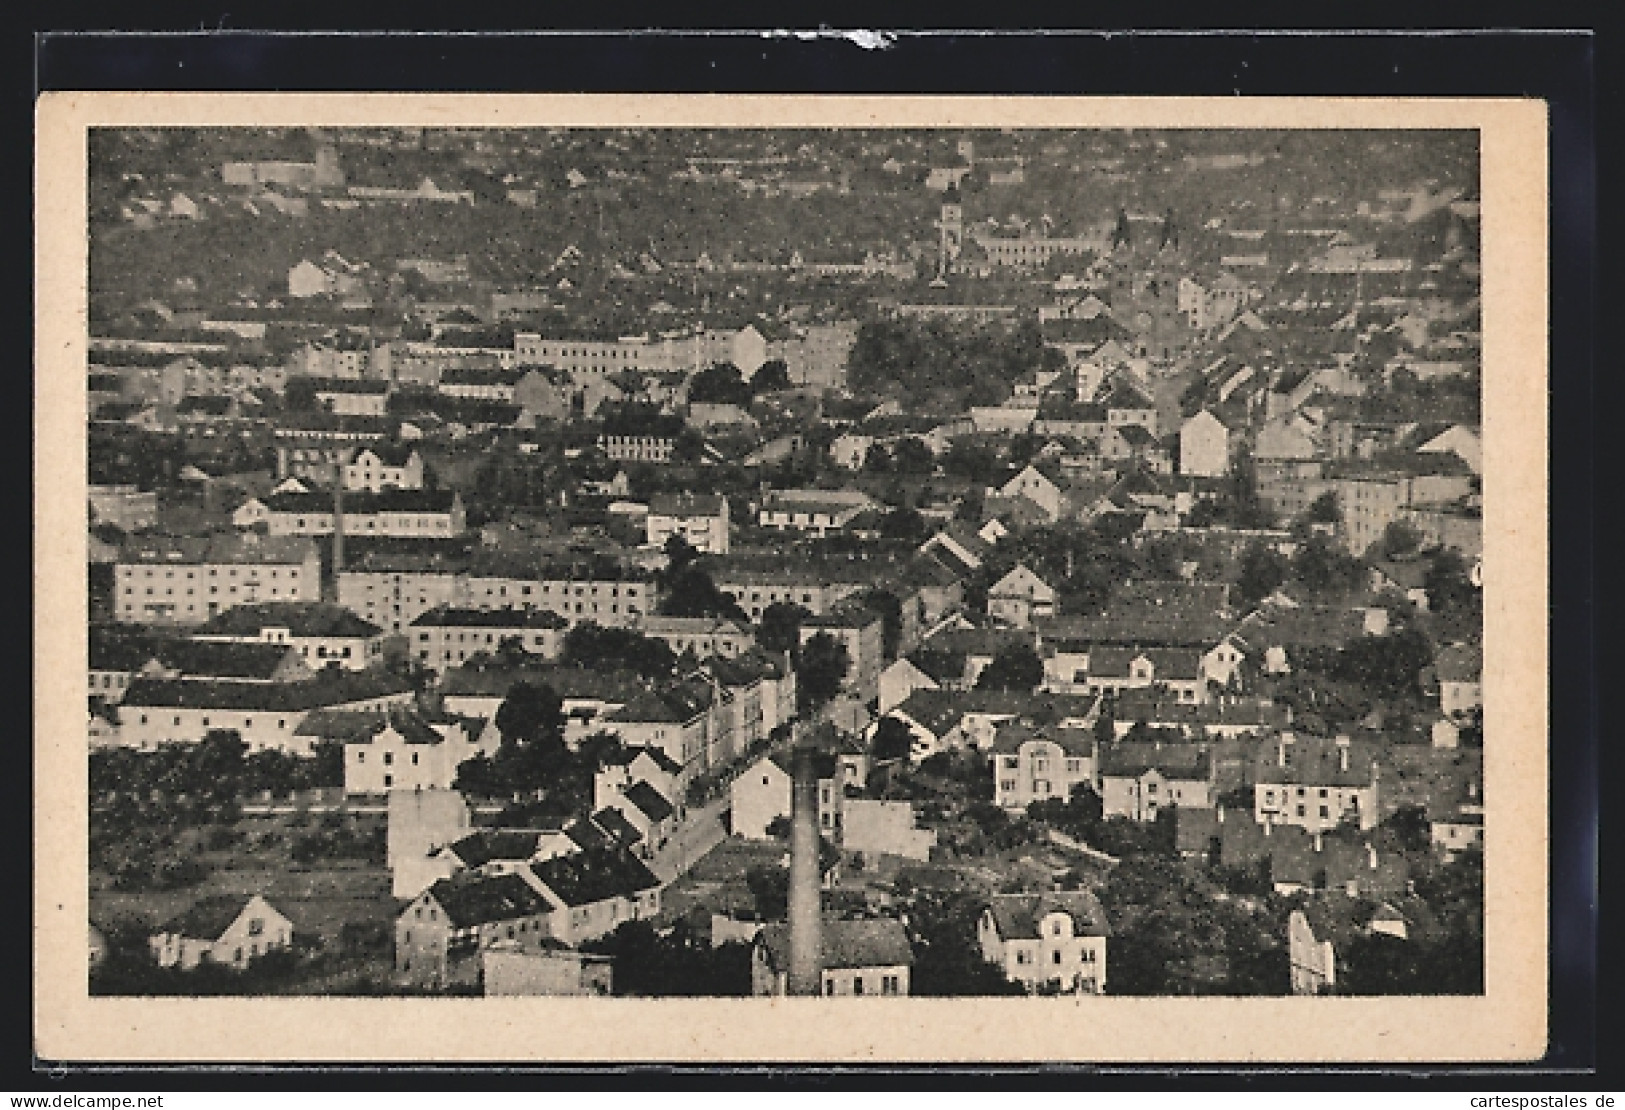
{"x":805,"y":909}
{"x":338,"y":525}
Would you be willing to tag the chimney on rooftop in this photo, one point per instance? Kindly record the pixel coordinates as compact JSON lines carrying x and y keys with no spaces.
{"x":1343,"y":752}
{"x":1319,"y":843}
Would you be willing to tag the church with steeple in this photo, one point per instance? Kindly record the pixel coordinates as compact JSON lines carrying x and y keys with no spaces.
{"x":1147,"y":260}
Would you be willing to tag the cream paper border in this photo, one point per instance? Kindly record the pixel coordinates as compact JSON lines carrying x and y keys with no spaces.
{"x":1508,"y":1023}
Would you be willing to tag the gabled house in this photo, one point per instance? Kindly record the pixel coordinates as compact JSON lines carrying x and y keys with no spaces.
{"x":1038,"y":488}
{"x":1206,"y":445}
{"x":439,"y":935}
{"x":227,"y":931}
{"x":1038,"y":764}
{"x":1019,"y":597}
{"x":380,"y":466}
{"x":761,"y":794}
{"x":1055,"y":940}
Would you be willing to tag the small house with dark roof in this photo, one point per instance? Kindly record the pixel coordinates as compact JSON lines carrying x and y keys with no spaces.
{"x":1140,"y":779}
{"x":1459,"y":668}
{"x":226,"y":930}
{"x":441,"y":933}
{"x":648,"y":812}
{"x":700,"y":519}
{"x":636,"y":764}
{"x":1055,"y":940}
{"x":864,"y":957}
{"x":597,"y":890}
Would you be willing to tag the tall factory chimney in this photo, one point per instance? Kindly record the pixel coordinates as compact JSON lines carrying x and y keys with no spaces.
{"x":805,"y":909}
{"x":338,"y":527}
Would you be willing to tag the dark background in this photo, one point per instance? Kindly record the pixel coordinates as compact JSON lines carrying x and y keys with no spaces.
{"x":1559,"y":67}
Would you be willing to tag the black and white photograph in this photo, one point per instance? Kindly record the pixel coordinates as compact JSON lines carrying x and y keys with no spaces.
{"x":647,"y":562}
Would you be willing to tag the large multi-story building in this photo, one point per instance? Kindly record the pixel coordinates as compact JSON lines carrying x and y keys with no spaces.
{"x":190,"y":579}
{"x":446,"y":637}
{"x":399,"y":513}
{"x":394,"y":591}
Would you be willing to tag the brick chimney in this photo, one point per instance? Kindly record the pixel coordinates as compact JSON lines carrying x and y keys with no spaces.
{"x":805,"y":902}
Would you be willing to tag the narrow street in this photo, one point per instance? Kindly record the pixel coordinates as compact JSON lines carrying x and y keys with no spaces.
{"x":702,"y":831}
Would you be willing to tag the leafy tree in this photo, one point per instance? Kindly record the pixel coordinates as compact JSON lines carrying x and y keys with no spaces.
{"x":596,"y":648}
{"x":903,"y":524}
{"x":877,"y":460}
{"x":299,"y":394}
{"x":1399,"y":538}
{"x":679,"y":554}
{"x":821,"y":665}
{"x":719,"y":383}
{"x":892,"y":740}
{"x":1410,"y":825}
{"x":1261,"y":572}
{"x":511,"y":651}
{"x":1326,"y":571}
{"x":690,"y":592}
{"x":216,"y":770}
{"x":1016,"y":668}
{"x":973,"y":461}
{"x":771,"y":376}
{"x":780,"y":629}
{"x":912,"y":455}
{"x":1390,"y":665}
{"x":947,"y":959}
{"x":1449,"y":586}
{"x":688,"y":448}
{"x":1077,"y":816}
{"x":678,"y":964}
{"x":531,"y":712}
{"x":770,"y":889}
{"x":1325,"y":509}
